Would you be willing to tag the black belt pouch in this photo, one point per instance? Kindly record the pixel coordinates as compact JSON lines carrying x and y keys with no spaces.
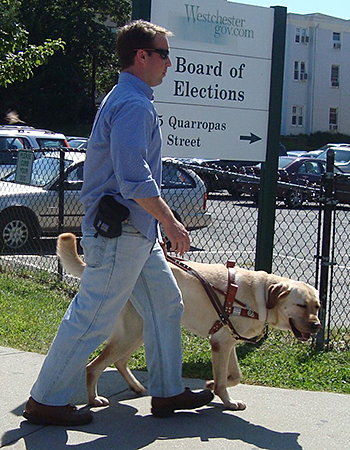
{"x":109,"y":217}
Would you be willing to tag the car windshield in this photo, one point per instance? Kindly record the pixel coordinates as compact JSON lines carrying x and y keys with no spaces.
{"x":44,"y":170}
{"x":340,"y":156}
{"x":175,"y":177}
{"x":50,"y":142}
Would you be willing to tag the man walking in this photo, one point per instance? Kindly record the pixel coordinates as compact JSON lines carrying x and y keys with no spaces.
{"x":124,"y":260}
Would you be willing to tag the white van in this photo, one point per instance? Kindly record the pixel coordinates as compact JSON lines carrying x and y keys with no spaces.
{"x":14,"y":138}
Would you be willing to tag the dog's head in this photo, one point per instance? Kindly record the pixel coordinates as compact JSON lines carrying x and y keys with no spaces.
{"x":295,"y":306}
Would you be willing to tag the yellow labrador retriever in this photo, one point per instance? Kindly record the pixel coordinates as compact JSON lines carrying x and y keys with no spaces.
{"x":280,"y":302}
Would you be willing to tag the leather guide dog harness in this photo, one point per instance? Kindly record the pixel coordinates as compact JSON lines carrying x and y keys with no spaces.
{"x":227,"y":309}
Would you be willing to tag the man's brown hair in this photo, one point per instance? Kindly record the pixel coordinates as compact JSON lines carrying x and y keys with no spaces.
{"x":135,"y":35}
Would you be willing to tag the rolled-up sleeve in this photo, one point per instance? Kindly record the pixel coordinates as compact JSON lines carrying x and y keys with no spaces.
{"x":123,"y":157}
{"x":131,"y":136}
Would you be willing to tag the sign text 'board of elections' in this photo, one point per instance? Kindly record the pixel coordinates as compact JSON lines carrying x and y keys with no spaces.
{"x":214,"y":100}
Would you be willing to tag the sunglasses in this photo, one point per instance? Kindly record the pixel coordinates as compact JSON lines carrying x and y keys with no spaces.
{"x":162,"y":52}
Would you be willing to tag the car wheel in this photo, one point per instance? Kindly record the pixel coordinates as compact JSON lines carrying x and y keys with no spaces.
{"x":16,"y":231}
{"x":294,"y":199}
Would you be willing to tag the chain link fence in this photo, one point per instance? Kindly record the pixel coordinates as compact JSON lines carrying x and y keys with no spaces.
{"x":338,"y":311}
{"x":219,"y":204}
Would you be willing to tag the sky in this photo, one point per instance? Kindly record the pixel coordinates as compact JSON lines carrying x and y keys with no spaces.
{"x":337,"y":8}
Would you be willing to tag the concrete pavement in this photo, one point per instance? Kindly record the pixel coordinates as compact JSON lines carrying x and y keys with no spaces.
{"x":275,"y":419}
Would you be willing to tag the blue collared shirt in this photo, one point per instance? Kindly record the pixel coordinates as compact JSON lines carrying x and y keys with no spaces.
{"x":123,"y":157}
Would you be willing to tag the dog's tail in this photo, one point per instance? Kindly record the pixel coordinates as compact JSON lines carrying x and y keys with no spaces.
{"x":68,"y":254}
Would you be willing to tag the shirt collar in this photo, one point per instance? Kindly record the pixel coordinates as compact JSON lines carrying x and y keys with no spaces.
{"x":126,"y":77}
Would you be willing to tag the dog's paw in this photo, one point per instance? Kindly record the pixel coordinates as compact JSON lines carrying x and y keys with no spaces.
{"x":99,"y":401}
{"x":236,"y":405}
{"x":209,"y":385}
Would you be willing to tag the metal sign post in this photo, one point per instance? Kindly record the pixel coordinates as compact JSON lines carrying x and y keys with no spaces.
{"x":268,"y":181}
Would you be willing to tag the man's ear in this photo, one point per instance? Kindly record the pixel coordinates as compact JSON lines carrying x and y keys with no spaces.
{"x":140,"y":55}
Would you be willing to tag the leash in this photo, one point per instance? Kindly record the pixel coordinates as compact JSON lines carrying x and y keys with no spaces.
{"x":223,"y":311}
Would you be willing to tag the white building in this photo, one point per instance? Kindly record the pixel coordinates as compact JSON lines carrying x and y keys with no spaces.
{"x":316,"y":91}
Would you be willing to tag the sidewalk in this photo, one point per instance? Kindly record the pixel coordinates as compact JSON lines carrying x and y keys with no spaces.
{"x":275,"y":419}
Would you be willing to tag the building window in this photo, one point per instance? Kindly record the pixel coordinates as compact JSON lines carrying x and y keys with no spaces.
{"x":297,"y":116}
{"x":301,"y":35}
{"x":300,"y":73}
{"x":335,"y":76}
{"x":336,"y":40}
{"x":333,"y":119}
{"x":296,"y":70}
{"x":303,"y":74}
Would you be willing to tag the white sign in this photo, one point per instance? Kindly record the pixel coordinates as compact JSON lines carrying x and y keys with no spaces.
{"x":214,"y":101}
{"x":24,"y":166}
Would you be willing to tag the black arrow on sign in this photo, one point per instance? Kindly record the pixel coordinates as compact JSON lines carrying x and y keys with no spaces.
{"x":252,"y":138}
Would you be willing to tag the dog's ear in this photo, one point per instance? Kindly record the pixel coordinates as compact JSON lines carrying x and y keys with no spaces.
{"x":275,"y":292}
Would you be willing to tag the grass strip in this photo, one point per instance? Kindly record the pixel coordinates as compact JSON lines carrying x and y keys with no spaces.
{"x":32,"y":307}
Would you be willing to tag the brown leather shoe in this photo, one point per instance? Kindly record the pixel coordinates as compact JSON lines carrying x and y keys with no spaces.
{"x":165,"y":406}
{"x":68,"y":415}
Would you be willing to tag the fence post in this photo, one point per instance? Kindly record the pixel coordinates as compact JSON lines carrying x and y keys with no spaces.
{"x":268,"y":179}
{"x":61,"y":203}
{"x":329,"y":203}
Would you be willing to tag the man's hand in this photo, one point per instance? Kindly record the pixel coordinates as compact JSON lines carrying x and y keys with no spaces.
{"x":178,"y":236}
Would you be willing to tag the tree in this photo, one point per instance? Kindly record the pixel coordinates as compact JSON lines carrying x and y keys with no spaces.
{"x":64,"y":92}
{"x":18,"y":58}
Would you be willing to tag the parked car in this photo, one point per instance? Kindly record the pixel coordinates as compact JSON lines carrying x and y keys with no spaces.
{"x":84,"y":144}
{"x":77,"y":142}
{"x":311,"y":153}
{"x":327,"y":146}
{"x":341,"y":157}
{"x":31,"y":211}
{"x":309,"y":172}
{"x":295,"y":153}
{"x":305,"y":172}
{"x":292,"y":195}
{"x":14,"y":138}
{"x":216,"y":173}
{"x":317,"y":152}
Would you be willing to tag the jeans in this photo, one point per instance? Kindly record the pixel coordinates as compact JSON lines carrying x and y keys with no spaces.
{"x":118,"y":269}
